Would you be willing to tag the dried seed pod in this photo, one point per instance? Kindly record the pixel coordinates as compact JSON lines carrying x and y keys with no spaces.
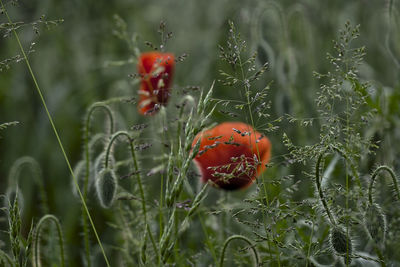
{"x":106,"y":187}
{"x":375,"y":222}
{"x":341,"y":242}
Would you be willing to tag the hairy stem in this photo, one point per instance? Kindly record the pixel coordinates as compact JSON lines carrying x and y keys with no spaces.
{"x":136,"y":166}
{"x":41,"y":222}
{"x":373,"y":178}
{"x":56,"y":133}
{"x":138,"y":176}
{"x":108,"y":112}
{"x":14,"y":176}
{"x":3,"y":256}
{"x":239,"y":237}
{"x":320,"y":192}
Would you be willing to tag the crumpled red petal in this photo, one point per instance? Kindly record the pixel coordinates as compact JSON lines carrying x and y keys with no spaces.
{"x":232,"y":155}
{"x":156,"y":71}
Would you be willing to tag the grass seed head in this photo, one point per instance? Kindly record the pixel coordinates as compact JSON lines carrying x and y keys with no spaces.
{"x":11,"y":196}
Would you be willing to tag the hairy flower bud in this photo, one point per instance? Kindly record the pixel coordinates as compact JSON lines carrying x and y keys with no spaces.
{"x":106,"y":187}
{"x":341,"y":243}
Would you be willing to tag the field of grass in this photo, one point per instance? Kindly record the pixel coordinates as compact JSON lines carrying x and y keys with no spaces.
{"x":199,"y":133}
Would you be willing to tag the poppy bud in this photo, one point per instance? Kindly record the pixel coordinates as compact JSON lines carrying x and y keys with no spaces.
{"x":106,"y":187}
{"x":341,"y":243}
{"x":231,"y":155}
{"x":156,"y":70}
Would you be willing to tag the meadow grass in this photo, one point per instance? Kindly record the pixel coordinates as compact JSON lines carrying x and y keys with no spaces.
{"x":137,"y":198}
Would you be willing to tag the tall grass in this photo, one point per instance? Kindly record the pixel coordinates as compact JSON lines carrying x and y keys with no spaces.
{"x":329,"y":108}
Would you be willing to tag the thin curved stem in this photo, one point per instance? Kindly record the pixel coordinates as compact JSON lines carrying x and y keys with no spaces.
{"x":256,"y":257}
{"x":353,"y":168}
{"x":318,"y":178}
{"x":246,"y":87}
{"x":92,"y":108}
{"x":14,"y":176}
{"x":109,"y":146}
{"x":309,"y":244}
{"x":153,"y":243}
{"x":37,"y":239}
{"x":373,"y":178}
{"x":55,"y":133}
{"x":136,"y":166}
{"x":3,"y":255}
{"x":390,"y":6}
{"x":320,"y":192}
{"x":375,"y":246}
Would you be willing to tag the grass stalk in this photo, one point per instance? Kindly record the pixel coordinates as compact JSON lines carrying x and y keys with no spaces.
{"x":55,"y":132}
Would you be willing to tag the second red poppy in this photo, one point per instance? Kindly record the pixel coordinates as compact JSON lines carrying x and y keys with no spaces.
{"x":155,"y":70}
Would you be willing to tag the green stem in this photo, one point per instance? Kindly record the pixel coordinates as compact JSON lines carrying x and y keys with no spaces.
{"x":247,"y":93}
{"x":208,"y":241}
{"x":375,"y":246}
{"x":136,"y":166}
{"x":91,"y":109}
{"x":153,"y":243}
{"x":373,"y":178}
{"x":256,"y":257}
{"x":56,"y":134}
{"x":310,"y":243}
{"x":318,"y":178}
{"x":320,"y":192}
{"x":390,"y":6}
{"x":352,"y":166}
{"x":37,"y":239}
{"x":162,"y":121}
{"x":13,"y":178}
{"x":3,"y":255}
{"x":185,"y":223}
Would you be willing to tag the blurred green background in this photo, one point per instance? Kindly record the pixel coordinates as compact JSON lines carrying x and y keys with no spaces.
{"x":70,"y":63}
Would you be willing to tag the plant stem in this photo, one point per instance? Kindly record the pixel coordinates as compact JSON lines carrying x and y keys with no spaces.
{"x":56,"y":133}
{"x":91,"y":109}
{"x":321,"y":193}
{"x":136,"y":166}
{"x":208,"y":241}
{"x":256,"y":257}
{"x":14,"y":177}
{"x":310,"y":243}
{"x":373,"y":178}
{"x":3,"y":255}
{"x":37,"y":239}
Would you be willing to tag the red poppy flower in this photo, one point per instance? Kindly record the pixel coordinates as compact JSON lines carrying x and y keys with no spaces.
{"x":156,"y":70}
{"x":232,"y":155}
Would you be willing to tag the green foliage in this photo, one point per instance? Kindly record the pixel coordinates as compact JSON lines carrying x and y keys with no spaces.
{"x":314,"y":205}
